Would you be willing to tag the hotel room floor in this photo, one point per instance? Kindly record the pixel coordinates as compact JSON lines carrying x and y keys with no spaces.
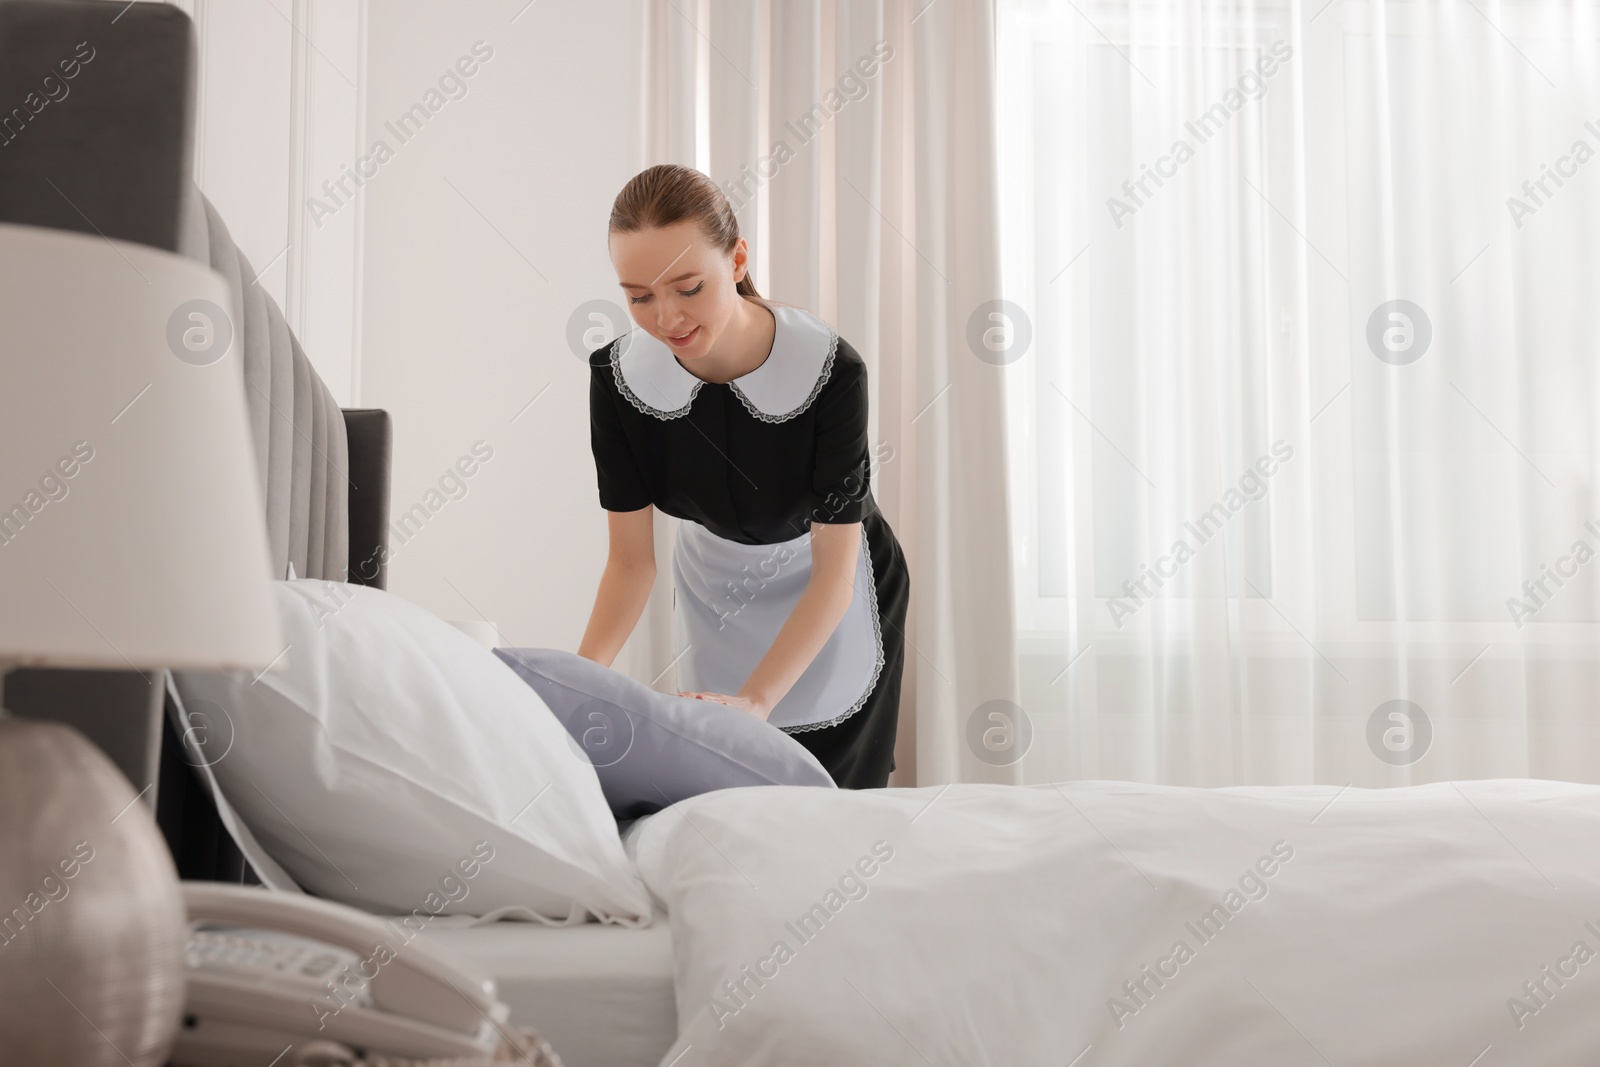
{"x":600,"y":994}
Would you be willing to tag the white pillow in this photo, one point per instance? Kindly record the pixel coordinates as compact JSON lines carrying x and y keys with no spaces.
{"x":388,"y":761}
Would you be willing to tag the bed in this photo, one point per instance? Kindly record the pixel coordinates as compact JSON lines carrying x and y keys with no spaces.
{"x":601,"y":995}
{"x":1453,"y":923}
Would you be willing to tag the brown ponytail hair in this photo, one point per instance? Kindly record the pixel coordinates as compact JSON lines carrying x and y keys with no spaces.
{"x":667,"y":193}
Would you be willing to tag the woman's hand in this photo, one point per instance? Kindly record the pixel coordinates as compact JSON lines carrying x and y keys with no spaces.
{"x":745,"y":704}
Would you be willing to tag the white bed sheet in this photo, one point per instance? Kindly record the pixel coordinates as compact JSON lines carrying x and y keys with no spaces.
{"x":1108,"y":924}
{"x":600,"y":994}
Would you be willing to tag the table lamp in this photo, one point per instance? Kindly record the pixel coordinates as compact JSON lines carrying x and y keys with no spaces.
{"x":132,"y":536}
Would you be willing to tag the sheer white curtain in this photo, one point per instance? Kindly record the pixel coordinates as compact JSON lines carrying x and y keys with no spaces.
{"x":1304,"y":439}
{"x":856,"y":141}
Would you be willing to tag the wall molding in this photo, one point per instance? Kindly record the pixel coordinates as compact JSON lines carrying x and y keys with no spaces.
{"x":280,"y":109}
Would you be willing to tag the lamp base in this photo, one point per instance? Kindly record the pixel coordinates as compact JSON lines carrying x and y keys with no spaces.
{"x":92,"y":923}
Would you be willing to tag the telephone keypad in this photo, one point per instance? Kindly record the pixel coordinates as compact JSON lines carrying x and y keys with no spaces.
{"x":274,"y":957}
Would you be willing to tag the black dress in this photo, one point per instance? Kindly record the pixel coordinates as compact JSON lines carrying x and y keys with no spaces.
{"x":753,"y":462}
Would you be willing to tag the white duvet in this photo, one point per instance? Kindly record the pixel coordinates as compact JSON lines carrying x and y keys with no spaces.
{"x":1097,"y":923}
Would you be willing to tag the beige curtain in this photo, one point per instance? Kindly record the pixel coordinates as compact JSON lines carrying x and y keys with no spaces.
{"x":857,"y":143}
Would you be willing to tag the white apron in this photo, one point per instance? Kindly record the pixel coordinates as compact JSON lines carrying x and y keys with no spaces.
{"x":731,"y":599}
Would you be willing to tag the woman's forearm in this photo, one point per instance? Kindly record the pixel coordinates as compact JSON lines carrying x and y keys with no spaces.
{"x":620,"y":600}
{"x":815,"y":616}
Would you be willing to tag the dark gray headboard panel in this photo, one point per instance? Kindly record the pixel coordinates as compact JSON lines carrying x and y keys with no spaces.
{"x":371,"y":440}
{"x":108,"y":149}
{"x":114,"y":157}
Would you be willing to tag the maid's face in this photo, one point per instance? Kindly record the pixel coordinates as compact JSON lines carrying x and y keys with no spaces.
{"x":680,"y":288}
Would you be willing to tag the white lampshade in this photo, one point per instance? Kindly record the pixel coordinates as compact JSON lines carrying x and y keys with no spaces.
{"x":153,"y":552}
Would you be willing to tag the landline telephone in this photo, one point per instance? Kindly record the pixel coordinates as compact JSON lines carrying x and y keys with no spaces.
{"x":295,"y":980}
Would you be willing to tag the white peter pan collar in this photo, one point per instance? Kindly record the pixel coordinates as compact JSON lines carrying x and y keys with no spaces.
{"x":648,"y":373}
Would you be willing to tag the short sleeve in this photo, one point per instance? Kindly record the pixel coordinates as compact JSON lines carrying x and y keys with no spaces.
{"x":622,"y":487}
{"x":840,"y":478}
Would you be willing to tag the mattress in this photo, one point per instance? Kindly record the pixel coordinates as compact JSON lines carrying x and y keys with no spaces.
{"x":600,"y":994}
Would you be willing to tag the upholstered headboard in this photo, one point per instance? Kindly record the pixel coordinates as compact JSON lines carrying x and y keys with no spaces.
{"x":114,"y":158}
{"x":301,"y":447}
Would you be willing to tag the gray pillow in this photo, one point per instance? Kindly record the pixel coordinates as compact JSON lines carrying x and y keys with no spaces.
{"x":652,"y":749}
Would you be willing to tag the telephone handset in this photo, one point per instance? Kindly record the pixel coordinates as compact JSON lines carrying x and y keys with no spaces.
{"x":269,"y":972}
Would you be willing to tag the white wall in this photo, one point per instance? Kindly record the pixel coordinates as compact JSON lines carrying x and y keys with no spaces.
{"x":483,"y":233}
{"x":280,"y":109}
{"x":441,"y":289}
